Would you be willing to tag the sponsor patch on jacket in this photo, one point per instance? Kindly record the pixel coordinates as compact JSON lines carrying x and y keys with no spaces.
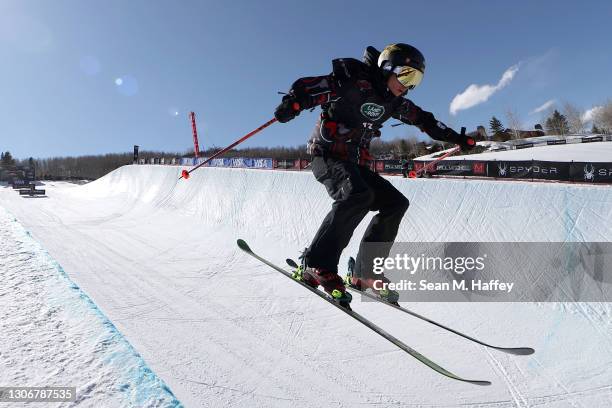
{"x":372,"y":111}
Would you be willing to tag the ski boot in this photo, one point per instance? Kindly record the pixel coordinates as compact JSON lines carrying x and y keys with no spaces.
{"x":331,"y":282}
{"x":363,"y":284}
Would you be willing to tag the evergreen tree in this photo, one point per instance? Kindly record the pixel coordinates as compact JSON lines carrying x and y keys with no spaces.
{"x":496,"y":126}
{"x":7,"y":160}
{"x":595,"y":130}
{"x":557,"y":124}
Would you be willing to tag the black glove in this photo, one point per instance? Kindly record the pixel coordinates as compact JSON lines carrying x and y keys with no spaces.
{"x":288,"y":109}
{"x":464,"y":141}
{"x":468,"y":143}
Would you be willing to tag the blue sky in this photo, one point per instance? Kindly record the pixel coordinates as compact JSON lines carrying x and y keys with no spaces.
{"x":89,"y":77}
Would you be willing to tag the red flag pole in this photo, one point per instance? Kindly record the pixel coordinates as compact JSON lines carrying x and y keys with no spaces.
{"x":196,"y":146}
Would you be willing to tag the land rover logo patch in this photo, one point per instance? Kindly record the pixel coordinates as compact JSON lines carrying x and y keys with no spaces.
{"x":372,"y":111}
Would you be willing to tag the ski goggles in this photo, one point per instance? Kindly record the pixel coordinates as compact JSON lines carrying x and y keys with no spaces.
{"x":409,"y":77}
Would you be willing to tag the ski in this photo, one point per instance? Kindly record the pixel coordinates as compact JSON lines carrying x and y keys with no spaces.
{"x":245,"y":247}
{"x":519,"y":351}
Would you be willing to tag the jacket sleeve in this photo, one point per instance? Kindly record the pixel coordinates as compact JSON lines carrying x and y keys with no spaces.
{"x":313,"y":91}
{"x":409,"y":113}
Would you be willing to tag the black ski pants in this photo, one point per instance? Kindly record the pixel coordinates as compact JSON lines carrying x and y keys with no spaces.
{"x":356,"y":190}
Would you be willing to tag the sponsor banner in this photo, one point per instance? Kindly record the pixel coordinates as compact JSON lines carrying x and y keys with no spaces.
{"x":251,"y":163}
{"x":480,"y":168}
{"x":533,"y":169}
{"x":527,"y":169}
{"x":239,"y":162}
{"x":545,"y":170}
{"x":510,"y":169}
{"x":592,"y":139}
{"x":284,"y":164}
{"x":453,"y":168}
{"x":523,"y":146}
{"x":609,"y":138}
{"x":392,"y":166}
{"x":591,"y":172}
{"x":556,"y":142}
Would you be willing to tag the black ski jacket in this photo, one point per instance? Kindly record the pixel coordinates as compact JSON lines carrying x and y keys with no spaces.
{"x":355,"y":102}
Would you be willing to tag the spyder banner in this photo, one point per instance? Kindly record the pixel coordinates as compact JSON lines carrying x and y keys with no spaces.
{"x":533,"y":169}
{"x":510,"y":169}
{"x":591,"y":172}
{"x":545,"y":170}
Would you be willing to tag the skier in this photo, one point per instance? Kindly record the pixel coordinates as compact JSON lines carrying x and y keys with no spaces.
{"x":356,"y":99}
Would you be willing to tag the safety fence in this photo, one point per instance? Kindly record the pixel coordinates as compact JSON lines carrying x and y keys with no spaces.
{"x":589,"y":172}
{"x":592,"y":172}
{"x":574,"y":171}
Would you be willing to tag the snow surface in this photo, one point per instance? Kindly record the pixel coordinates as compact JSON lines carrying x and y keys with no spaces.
{"x":585,"y":152}
{"x":158,"y":257}
{"x":53,"y":335}
{"x":588,"y":152}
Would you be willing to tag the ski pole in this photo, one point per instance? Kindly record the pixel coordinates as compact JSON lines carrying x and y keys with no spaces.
{"x":185,"y":173}
{"x":414,"y":174}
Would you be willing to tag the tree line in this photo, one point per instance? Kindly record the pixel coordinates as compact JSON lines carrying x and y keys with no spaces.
{"x":568,"y":120}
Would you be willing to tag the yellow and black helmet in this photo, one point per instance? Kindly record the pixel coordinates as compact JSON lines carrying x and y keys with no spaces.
{"x":405,"y":61}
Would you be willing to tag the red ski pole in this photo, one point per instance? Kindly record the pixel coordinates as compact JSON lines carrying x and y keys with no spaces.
{"x":185,"y":173}
{"x":414,"y":174}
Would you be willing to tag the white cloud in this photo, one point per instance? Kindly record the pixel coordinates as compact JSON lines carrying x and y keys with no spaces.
{"x":543,"y":107}
{"x":589,"y":115}
{"x":477,"y":94}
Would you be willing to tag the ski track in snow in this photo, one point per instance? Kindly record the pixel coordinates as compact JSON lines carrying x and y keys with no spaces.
{"x":158,"y":256}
